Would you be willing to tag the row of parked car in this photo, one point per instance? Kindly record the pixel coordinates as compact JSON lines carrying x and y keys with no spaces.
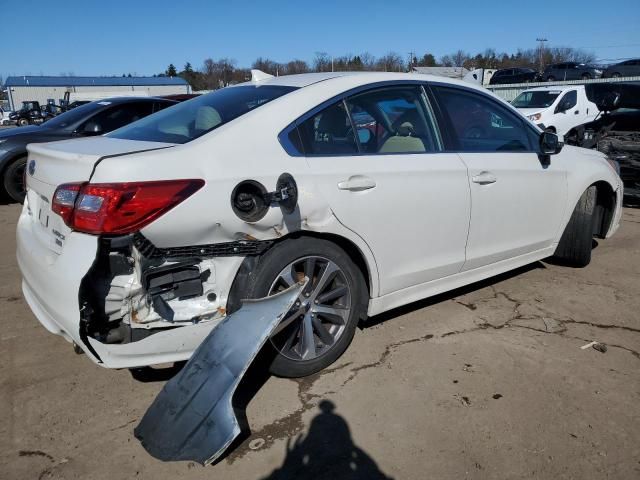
{"x":566,"y":71}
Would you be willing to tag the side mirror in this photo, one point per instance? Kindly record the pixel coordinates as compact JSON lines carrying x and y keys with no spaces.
{"x":550,"y":143}
{"x":92,"y":128}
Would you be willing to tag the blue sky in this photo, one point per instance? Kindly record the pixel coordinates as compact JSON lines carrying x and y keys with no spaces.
{"x":92,"y":37}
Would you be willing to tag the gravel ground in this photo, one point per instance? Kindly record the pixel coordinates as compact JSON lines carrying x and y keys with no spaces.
{"x":485,"y":382}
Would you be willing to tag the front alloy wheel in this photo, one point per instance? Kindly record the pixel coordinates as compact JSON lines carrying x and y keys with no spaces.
{"x":320,"y":315}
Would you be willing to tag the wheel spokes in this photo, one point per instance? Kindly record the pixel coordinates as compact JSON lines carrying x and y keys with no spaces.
{"x":321,"y":313}
{"x":334,"y":294}
{"x":333,"y":314}
{"x":327,"y":274}
{"x":307,"y":344}
{"x":323,"y":334}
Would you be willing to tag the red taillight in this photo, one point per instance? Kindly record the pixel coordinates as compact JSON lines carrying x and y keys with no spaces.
{"x":119,"y":208}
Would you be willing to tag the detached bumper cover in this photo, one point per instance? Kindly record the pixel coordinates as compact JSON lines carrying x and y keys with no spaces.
{"x":192,"y":418}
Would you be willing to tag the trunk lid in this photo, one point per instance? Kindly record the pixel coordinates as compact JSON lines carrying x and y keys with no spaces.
{"x":52,"y":164}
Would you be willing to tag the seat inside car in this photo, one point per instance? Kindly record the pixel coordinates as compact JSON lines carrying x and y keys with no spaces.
{"x":334,"y":133}
{"x":408,"y":134}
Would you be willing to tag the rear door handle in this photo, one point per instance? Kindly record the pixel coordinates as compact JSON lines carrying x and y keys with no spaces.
{"x":484,"y":178}
{"x":357,"y":183}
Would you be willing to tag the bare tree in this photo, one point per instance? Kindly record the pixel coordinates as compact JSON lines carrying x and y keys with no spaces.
{"x":391,"y":62}
{"x":267,"y":66}
{"x":322,"y":62}
{"x":218,"y":74}
{"x":459,"y":58}
{"x":296,"y":66}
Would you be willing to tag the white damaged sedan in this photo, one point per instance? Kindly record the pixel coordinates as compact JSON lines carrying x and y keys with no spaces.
{"x":379,"y":188}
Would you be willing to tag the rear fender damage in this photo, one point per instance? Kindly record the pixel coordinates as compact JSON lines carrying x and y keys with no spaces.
{"x":193,"y":418}
{"x":130,"y":294}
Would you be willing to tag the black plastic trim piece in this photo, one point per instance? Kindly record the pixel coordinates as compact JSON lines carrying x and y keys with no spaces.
{"x":239,"y":248}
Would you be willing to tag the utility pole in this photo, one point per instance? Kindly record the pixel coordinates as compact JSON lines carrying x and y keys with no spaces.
{"x":541,"y":41}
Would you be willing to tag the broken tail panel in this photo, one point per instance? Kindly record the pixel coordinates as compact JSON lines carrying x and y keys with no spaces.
{"x":192,"y":418}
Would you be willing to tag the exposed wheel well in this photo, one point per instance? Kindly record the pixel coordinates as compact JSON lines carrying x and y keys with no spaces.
{"x":604,"y":210}
{"x":347,"y":245}
{"x":249,"y":264}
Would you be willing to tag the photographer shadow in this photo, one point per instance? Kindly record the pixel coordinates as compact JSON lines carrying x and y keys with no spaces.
{"x":327,"y":451}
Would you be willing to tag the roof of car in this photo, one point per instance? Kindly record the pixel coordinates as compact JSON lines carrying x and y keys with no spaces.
{"x":306,"y":79}
{"x":560,"y":88}
{"x":133,"y":99}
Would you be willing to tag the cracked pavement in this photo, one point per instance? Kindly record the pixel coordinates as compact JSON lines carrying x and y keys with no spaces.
{"x":488,"y":381}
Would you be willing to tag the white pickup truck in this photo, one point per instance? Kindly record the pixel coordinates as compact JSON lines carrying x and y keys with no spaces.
{"x":558,"y":109}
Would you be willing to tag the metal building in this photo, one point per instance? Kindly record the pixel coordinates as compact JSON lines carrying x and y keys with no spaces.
{"x":44,"y":89}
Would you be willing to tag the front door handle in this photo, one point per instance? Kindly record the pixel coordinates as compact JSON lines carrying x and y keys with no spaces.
{"x":484,"y":178}
{"x":576,"y":112}
{"x":357,"y":183}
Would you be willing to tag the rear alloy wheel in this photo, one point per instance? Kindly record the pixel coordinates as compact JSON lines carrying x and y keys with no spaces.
{"x":14,"y":179}
{"x":320,"y":314}
{"x":321,"y":324}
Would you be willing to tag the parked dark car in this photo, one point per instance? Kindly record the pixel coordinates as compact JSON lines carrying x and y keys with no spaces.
{"x":513,"y":75}
{"x":94,"y":118}
{"x":629,"y":68}
{"x":570,"y":71}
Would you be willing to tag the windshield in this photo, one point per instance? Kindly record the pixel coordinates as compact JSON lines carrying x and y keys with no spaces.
{"x":193,"y":118}
{"x":77,"y":114}
{"x":536,"y":99}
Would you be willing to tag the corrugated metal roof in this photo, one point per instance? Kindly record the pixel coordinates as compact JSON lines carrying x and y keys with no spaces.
{"x":37,"y":81}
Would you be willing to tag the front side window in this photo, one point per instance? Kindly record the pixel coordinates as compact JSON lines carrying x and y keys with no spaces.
{"x":481,"y":124}
{"x":188,"y":120}
{"x":569,"y":100}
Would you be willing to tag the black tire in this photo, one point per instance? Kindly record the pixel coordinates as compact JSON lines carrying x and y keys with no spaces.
{"x":586,"y":76}
{"x":23,"y":122}
{"x":13,"y":179}
{"x":261,"y":281}
{"x":576,"y":242}
{"x":551,"y":78}
{"x":615,"y":75}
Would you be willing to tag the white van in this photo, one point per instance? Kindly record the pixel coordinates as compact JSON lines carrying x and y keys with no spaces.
{"x":558,"y":109}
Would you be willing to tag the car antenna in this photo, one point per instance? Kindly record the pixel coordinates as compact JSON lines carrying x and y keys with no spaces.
{"x":259,"y":75}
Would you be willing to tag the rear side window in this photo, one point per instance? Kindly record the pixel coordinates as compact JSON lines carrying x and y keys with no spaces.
{"x":393,"y":120}
{"x":193,"y":118}
{"x":329,"y":132}
{"x":480,"y":124}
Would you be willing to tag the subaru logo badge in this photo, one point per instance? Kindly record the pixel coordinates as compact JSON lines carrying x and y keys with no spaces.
{"x":32,"y":167}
